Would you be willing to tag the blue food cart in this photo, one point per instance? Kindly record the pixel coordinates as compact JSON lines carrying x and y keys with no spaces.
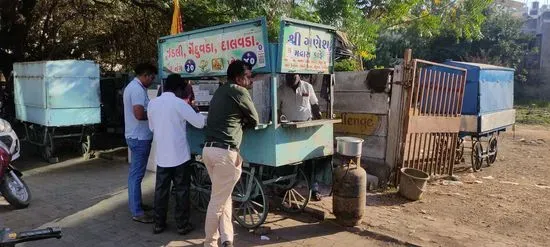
{"x":57,"y":100}
{"x":274,"y":152}
{"x":487,"y":110}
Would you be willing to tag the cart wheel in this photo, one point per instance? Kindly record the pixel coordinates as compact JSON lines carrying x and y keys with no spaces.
{"x":200,"y":187}
{"x":297,"y":194}
{"x":250,"y":204}
{"x":48,"y":150}
{"x":477,"y":156}
{"x":492,"y":151}
{"x":459,"y":156}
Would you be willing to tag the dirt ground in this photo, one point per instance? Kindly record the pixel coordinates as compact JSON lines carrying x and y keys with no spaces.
{"x":506,"y":204}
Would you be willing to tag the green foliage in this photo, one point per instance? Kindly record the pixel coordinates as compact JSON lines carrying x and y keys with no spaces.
{"x":347,"y":65}
{"x":119,"y":34}
{"x":533,"y":112}
{"x":349,"y":18}
{"x":483,"y":35}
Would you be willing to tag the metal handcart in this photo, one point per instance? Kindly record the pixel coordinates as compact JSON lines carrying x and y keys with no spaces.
{"x":487,"y":110}
{"x":58,"y":101}
{"x":274,"y":152}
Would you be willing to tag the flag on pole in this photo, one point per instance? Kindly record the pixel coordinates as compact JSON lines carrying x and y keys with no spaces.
{"x":177,"y":25}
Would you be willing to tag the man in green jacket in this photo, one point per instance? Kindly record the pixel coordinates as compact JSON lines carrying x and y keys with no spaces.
{"x":231,"y":110}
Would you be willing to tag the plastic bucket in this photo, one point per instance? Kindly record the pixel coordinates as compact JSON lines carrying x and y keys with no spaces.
{"x":412,"y":183}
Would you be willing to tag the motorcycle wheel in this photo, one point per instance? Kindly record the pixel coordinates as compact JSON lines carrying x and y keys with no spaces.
{"x":17,"y":194}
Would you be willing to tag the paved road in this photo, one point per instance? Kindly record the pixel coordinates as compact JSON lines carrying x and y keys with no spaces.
{"x":89,"y":201}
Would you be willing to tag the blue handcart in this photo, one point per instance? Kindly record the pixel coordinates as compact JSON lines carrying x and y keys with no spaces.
{"x":58,"y":100}
{"x":488,"y":110}
{"x":275,"y":151}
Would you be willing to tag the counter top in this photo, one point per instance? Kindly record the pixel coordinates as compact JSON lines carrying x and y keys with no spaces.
{"x":311,"y":123}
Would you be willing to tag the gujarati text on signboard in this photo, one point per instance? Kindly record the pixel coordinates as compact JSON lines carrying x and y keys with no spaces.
{"x":211,"y":52}
{"x":306,"y":49}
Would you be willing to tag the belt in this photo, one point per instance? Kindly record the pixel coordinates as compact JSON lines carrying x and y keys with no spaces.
{"x":220,"y":145}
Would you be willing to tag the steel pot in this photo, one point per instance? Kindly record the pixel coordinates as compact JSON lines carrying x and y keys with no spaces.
{"x":349,"y":146}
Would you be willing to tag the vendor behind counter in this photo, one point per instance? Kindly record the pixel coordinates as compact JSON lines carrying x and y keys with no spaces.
{"x":297,"y":100}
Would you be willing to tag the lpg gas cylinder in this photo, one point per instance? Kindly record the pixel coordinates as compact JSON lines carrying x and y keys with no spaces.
{"x":350,"y":193}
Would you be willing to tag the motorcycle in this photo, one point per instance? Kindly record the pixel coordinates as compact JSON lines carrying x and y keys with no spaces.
{"x":9,"y":238}
{"x":12,"y":187}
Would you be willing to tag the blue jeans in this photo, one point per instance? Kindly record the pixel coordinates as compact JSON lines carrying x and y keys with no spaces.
{"x":140,"y":150}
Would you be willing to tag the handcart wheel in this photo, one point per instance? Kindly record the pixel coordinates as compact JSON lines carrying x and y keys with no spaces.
{"x":492,"y":150}
{"x":201,"y":186}
{"x":477,"y":156}
{"x":459,"y":156}
{"x":297,"y":192}
{"x":250,"y":205}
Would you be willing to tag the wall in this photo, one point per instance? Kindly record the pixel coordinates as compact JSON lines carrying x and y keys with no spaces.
{"x":364,"y":114}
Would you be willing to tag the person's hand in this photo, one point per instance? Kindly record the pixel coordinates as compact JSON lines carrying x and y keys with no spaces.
{"x":194,"y":106}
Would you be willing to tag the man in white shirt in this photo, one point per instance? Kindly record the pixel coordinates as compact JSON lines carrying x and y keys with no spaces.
{"x":168,"y":117}
{"x":297,"y":100}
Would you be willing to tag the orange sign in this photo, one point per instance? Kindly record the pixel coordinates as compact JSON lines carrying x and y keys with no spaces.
{"x":357,"y":123}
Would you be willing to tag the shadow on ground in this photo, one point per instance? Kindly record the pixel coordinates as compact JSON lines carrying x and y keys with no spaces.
{"x":386,"y":199}
{"x":88,"y":199}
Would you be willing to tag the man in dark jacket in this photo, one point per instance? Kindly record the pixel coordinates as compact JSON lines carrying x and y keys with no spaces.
{"x":231,"y":110}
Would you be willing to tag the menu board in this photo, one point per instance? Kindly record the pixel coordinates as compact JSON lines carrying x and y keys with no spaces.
{"x":208,"y":52}
{"x":307,"y":48}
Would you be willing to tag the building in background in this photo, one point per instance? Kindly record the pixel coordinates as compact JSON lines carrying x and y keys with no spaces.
{"x":513,"y":7}
{"x":538,"y":23}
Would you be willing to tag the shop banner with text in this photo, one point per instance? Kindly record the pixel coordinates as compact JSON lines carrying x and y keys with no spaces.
{"x":306,"y":50}
{"x":209,"y":53}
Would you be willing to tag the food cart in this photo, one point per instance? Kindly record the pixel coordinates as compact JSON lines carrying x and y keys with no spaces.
{"x":487,"y":111}
{"x":274,"y":152}
{"x":58,"y":100}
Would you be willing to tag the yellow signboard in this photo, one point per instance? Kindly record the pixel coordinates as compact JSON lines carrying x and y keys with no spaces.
{"x":357,"y":123}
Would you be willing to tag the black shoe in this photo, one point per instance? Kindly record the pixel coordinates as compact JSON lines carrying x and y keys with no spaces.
{"x":146,"y":219}
{"x":146,"y":207}
{"x":159,"y":228}
{"x":227,"y":244}
{"x":184,"y":229}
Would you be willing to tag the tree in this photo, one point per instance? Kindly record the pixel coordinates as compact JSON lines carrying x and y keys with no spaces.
{"x":14,"y":28}
{"x":382,"y":29}
{"x":120,"y":33}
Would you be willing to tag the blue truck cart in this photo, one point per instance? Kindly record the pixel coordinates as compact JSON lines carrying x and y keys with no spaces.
{"x":488,"y":110}
{"x":57,"y":100}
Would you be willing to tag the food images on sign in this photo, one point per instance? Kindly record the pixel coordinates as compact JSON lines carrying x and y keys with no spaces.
{"x":217,"y":63}
{"x":203,"y":65}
